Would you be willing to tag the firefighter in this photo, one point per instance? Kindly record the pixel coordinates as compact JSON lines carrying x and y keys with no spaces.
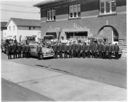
{"x":79,"y":49}
{"x":88,"y":50}
{"x":39,"y":52}
{"x":28,"y":51}
{"x":95,"y":50}
{"x":109,"y":51}
{"x":55,"y":49}
{"x":106,"y":51}
{"x":70,"y":50}
{"x":83,"y":54}
{"x":9,"y":51}
{"x":91,"y":51}
{"x":19,"y":50}
{"x":64,"y":51}
{"x":116,"y":49}
{"x":59,"y":50}
{"x":100,"y":50}
{"x":16,"y":51}
{"x":113,"y":51}
{"x":23,"y":50}
{"x":74,"y":49}
{"x":13,"y":50}
{"x":67,"y":50}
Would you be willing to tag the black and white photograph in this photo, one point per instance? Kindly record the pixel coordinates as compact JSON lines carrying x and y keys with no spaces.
{"x":63,"y":50}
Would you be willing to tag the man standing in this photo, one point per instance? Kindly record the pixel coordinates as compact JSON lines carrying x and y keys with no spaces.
{"x":116,"y":49}
{"x":109,"y":50}
{"x":9,"y":51}
{"x":106,"y":50}
{"x":100,"y":50}
{"x":83,"y":50}
{"x":55,"y":49}
{"x":39,"y":52}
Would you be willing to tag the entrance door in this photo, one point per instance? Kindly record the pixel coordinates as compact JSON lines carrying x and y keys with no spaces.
{"x":108,"y":32}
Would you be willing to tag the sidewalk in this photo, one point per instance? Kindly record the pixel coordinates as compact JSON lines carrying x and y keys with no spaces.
{"x":14,"y":92}
{"x":60,"y":86}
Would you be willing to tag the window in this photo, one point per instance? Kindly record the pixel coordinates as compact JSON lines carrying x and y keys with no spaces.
{"x":107,"y":7}
{"x":74,"y":11}
{"x":13,"y":28}
{"x":51,"y":15}
{"x":10,"y":28}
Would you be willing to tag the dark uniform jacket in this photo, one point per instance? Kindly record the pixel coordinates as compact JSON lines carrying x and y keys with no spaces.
{"x":116,"y":48}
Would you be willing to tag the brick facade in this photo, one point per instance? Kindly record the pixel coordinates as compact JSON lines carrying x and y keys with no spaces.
{"x":90,"y":18}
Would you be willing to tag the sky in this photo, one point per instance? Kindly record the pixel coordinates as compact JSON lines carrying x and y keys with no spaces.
{"x":19,"y":9}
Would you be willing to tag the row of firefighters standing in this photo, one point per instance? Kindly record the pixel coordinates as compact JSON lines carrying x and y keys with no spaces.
{"x":95,"y":50}
{"x":17,"y":51}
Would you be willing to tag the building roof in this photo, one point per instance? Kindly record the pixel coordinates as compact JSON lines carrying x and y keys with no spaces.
{"x":46,"y":2}
{"x":26,"y":22}
{"x":3,"y":24}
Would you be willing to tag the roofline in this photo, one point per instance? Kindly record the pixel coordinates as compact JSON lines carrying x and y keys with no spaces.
{"x":46,"y":2}
{"x":18,"y":18}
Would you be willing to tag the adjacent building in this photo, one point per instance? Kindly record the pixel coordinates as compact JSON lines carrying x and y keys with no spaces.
{"x":83,"y":19}
{"x":2,"y":29}
{"x":22,"y":29}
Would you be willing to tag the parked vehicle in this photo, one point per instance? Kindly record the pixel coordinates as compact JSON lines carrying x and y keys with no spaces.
{"x":44,"y":52}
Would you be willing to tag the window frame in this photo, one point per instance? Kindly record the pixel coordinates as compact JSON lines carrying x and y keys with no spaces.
{"x":105,"y":7}
{"x":51,"y":15}
{"x":76,"y":10}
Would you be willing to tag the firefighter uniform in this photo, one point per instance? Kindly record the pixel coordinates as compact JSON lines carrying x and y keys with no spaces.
{"x":66,"y":50}
{"x":88,"y":50}
{"x":109,"y":51}
{"x":9,"y":51}
{"x":55,"y":50}
{"x":74,"y":50}
{"x":70,"y":50}
{"x":91,"y":50}
{"x":13,"y":51}
{"x":39,"y":52}
{"x":83,"y":49}
{"x":103,"y":51}
{"x":106,"y":51}
{"x":100,"y":50}
{"x":28,"y":51}
{"x":79,"y":50}
{"x":23,"y":49}
{"x":116,"y":49}
{"x":96,"y":50}
{"x":59,"y":51}
{"x":113,"y":51}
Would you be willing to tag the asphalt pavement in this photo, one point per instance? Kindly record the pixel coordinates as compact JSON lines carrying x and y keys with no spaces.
{"x":110,"y":71}
{"x":54,"y":84}
{"x":14,"y":92}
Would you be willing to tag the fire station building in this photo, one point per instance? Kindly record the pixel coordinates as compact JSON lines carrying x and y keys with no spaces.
{"x":83,"y":19}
